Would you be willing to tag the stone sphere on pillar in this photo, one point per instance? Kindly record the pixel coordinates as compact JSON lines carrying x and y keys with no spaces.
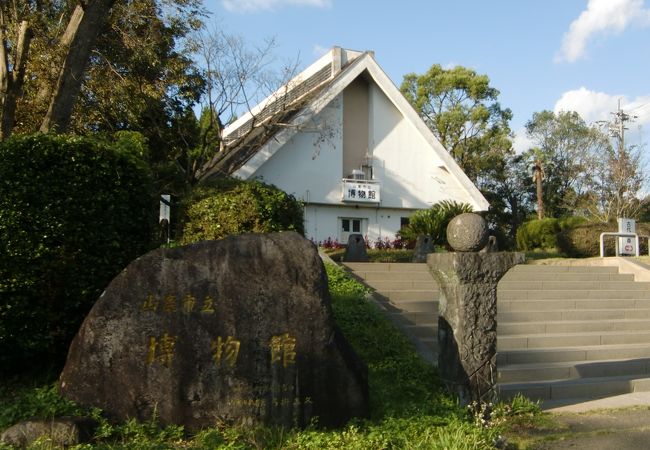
{"x":467,"y":232}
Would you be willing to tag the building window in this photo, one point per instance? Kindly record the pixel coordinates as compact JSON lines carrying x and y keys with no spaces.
{"x":350,"y":225}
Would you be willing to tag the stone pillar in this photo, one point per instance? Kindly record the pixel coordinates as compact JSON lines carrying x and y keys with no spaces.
{"x":423,"y":246}
{"x":356,"y":249}
{"x":467,"y":325}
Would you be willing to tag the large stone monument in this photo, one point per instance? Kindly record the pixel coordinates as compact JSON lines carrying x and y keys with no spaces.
{"x":237,"y":330}
{"x":467,"y":326}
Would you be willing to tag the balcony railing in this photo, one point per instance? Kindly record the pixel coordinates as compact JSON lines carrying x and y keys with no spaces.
{"x":360,"y":191}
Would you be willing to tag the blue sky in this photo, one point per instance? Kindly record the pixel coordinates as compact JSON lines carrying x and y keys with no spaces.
{"x":580,"y":55}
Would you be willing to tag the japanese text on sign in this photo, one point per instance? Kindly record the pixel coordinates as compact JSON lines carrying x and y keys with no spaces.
{"x":354,"y":191}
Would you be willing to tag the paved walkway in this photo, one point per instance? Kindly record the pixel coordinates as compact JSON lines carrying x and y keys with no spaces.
{"x":619,"y":423}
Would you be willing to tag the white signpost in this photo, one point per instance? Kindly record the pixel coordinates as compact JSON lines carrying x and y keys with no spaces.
{"x":164,"y":217}
{"x":626,"y":245}
{"x":165,"y":202}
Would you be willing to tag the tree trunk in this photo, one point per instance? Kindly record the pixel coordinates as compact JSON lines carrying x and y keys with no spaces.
{"x":538,"y":175}
{"x":12,"y":77}
{"x":79,"y":37}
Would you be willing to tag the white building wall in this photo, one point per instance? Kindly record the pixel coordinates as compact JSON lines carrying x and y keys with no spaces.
{"x":409,"y":170}
{"x":324,"y":221}
{"x":309,"y":165}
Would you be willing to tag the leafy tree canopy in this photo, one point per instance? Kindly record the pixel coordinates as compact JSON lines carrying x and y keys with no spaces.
{"x":462,"y":110}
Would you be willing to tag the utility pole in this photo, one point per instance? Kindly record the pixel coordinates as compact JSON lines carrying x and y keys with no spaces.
{"x":617,"y":127}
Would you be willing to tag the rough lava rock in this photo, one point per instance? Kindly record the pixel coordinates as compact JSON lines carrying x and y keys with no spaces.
{"x":62,"y":431}
{"x":467,"y":322}
{"x":237,"y":330}
{"x":467,"y":232}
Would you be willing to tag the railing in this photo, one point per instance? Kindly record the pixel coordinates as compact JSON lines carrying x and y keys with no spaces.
{"x":613,"y":233}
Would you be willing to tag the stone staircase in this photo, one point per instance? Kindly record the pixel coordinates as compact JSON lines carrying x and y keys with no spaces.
{"x":408,"y":294}
{"x":569,"y":332}
{"x":564,"y":332}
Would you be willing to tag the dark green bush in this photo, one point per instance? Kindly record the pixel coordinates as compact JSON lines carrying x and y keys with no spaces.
{"x":231,"y":206}
{"x":537,"y":234}
{"x":571,"y":222}
{"x":73,"y":213}
{"x":584,"y":240}
{"x":433,"y":221}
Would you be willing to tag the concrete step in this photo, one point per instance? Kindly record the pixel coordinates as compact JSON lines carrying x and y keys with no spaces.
{"x":568,"y":304}
{"x":410,"y":306}
{"x":408,"y":295}
{"x":563,"y":340}
{"x":431,"y":344}
{"x":405,"y":284}
{"x":577,"y":353}
{"x":428,"y":331}
{"x":556,"y":285}
{"x":567,"y":276}
{"x":589,"y":388}
{"x":572,"y":315}
{"x":414,"y":318}
{"x":371,"y":277}
{"x":518,"y":373}
{"x":539,"y":294}
{"x":514,"y":328}
{"x":541,"y":268}
{"x":387,"y":267}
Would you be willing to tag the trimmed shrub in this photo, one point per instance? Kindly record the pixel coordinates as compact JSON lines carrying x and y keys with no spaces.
{"x":231,"y":206}
{"x":583,"y":240}
{"x":538,"y":234}
{"x":571,"y":222}
{"x":433,"y":221}
{"x":73,"y":213}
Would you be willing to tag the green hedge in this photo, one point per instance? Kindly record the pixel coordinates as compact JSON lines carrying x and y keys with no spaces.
{"x":231,"y":206}
{"x":73,"y":213}
{"x":538,"y":234}
{"x":584,"y":240}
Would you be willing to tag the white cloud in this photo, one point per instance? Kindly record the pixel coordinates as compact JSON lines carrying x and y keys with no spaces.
{"x":601,"y":16}
{"x":594,"y":106}
{"x":591,"y":105}
{"x":250,"y":6}
{"x":521,"y":142}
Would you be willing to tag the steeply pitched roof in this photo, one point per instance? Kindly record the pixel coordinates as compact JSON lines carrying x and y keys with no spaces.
{"x":256,"y":136}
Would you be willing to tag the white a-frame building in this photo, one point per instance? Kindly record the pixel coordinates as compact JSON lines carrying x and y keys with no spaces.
{"x":341,"y":137}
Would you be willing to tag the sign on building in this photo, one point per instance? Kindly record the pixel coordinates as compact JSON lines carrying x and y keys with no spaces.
{"x":355,"y":191}
{"x":626,"y":245}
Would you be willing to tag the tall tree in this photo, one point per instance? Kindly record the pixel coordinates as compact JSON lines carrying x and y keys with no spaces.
{"x":76,"y":43}
{"x":462,"y":110}
{"x":615,"y":183}
{"x":12,"y":69}
{"x":511,"y":200}
{"x":538,"y":178}
{"x":239,"y":77}
{"x":84,"y":54}
{"x":567,"y":148}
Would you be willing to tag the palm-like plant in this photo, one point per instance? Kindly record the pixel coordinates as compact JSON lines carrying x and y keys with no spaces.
{"x":434,"y":221}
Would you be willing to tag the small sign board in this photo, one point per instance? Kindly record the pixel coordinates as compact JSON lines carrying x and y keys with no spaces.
{"x":165,"y":208}
{"x":626,"y":245}
{"x":359,"y":191}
